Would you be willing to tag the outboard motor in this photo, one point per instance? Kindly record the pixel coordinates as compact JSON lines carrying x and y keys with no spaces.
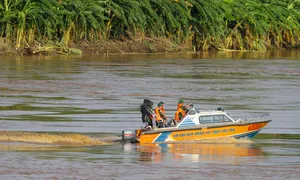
{"x":128,"y":136}
{"x":147,"y":112}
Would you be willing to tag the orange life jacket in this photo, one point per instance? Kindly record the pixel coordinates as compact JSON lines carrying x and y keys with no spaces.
{"x":179,"y":110}
{"x":179,"y":106}
{"x":157,"y":113}
{"x":177,"y":118}
{"x":162,"y":109}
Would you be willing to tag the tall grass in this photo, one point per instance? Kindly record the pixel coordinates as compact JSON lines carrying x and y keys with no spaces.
{"x":205,"y":24}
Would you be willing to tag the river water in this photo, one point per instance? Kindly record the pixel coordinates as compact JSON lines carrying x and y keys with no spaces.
{"x":57,"y":114}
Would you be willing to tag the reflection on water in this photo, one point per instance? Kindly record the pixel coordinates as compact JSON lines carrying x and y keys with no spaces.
{"x":197,"y":153}
{"x":264,"y":158}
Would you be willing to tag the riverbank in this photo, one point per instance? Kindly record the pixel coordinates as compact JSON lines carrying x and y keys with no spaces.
{"x":133,"y":46}
{"x":143,"y":45}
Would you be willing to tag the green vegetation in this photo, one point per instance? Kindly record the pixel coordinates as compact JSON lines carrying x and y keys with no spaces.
{"x":277,"y":136}
{"x":57,"y":25}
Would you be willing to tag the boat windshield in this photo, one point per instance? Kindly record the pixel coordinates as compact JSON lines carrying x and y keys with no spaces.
{"x":192,"y":110}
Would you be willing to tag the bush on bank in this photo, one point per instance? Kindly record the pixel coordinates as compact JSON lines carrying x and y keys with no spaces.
{"x":56,"y":25}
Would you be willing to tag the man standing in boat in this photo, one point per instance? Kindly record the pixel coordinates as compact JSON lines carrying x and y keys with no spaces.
{"x":181,"y":110}
{"x":161,"y":119}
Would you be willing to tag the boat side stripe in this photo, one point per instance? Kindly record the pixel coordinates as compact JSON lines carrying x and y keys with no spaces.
{"x":187,"y":122}
{"x":162,"y":137}
{"x":249,"y":134}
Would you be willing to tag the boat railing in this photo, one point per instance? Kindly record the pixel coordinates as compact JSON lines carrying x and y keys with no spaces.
{"x":264,"y":116}
{"x":192,"y":109}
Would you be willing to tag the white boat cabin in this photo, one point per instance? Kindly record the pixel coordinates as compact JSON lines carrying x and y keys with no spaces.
{"x":196,"y":117}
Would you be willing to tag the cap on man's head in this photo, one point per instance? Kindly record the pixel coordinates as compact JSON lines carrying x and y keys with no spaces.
{"x":160,"y":103}
{"x":181,"y":101}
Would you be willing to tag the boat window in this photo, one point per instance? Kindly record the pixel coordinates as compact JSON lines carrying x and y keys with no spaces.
{"x":214,"y":119}
{"x":217,"y":119}
{"x":205,"y":119}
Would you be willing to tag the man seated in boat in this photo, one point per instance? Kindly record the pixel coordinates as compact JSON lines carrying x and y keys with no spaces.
{"x":181,"y":111}
{"x":161,"y":119}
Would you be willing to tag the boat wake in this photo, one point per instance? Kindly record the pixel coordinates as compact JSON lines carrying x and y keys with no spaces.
{"x":46,"y":138}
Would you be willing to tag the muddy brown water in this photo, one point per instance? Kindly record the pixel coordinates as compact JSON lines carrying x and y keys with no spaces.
{"x":56,"y":112}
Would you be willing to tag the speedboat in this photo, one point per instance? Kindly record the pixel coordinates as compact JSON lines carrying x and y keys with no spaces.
{"x":199,"y":125}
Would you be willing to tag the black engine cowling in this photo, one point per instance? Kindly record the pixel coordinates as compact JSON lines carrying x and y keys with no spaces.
{"x":128,"y":136}
{"x":147,"y":112}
